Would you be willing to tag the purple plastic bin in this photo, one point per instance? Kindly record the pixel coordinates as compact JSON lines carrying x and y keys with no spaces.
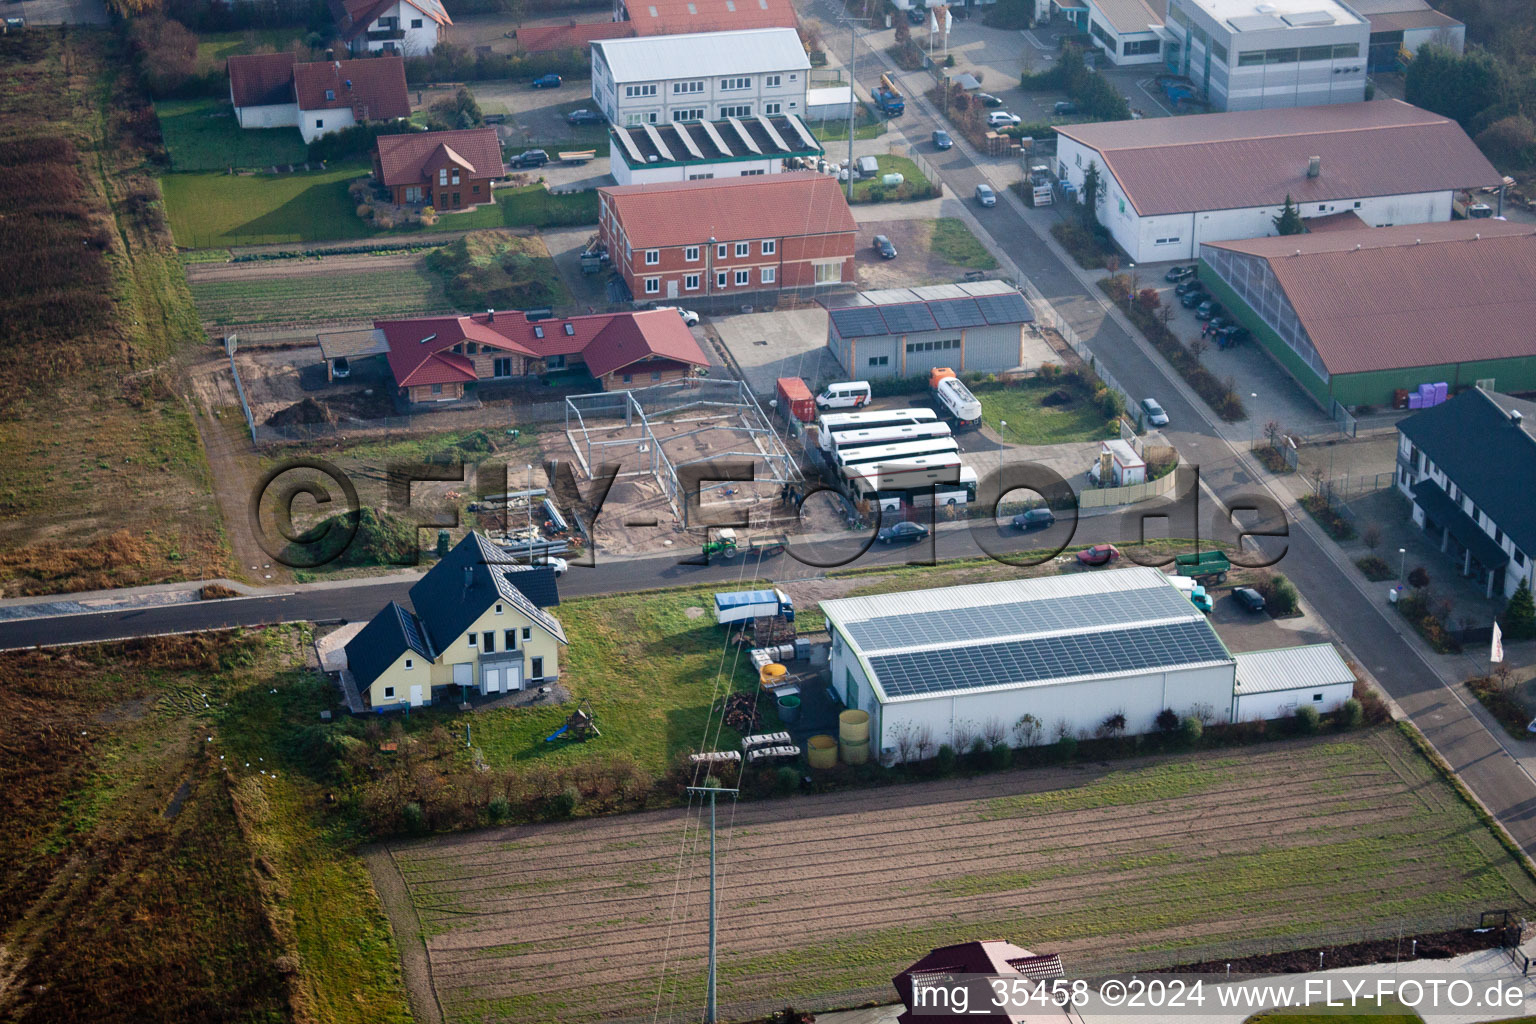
{"x":1415,"y":401}
{"x":1441,"y":392}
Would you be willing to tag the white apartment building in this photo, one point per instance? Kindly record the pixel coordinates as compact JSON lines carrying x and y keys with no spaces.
{"x":706,"y":76}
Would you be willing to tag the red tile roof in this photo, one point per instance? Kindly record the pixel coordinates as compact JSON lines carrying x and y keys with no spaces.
{"x":402,"y":157}
{"x":419,"y":349}
{"x":1258,"y":157}
{"x":1349,"y":220}
{"x":543,"y":38}
{"x":679,"y":17}
{"x":728,"y":209}
{"x":1411,"y":295}
{"x":261,"y":79}
{"x":373,"y":86}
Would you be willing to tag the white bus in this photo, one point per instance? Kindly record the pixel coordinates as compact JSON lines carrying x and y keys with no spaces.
{"x":898,"y":453}
{"x":832,"y":424}
{"x":849,"y":440}
{"x":917,"y":485}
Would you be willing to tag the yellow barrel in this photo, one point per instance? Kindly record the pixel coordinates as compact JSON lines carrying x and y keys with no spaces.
{"x":821,"y":751}
{"x":853,"y":726}
{"x":855,"y":751}
{"x":771,"y":674}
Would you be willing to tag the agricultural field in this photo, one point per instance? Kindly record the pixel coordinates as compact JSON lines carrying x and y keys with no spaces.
{"x":1148,"y":864}
{"x":309,"y":291}
{"x":202,"y":135}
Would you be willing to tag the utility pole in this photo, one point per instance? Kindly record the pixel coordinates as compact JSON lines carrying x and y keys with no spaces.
{"x":853,"y":96}
{"x":712,"y":792}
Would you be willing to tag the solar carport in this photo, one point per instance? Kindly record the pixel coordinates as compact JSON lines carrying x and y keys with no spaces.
{"x":1070,"y":650}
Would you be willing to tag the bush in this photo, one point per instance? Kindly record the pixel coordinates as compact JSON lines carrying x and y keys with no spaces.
{"x":1306,"y":720}
{"x":1190,"y":731}
{"x":451,"y":63}
{"x":786,"y":779}
{"x":364,"y":211}
{"x":1089,"y":249}
{"x":1280,"y":597}
{"x":562,"y":804}
{"x":1352,"y":714}
{"x":1066,"y":748}
{"x":1418,"y":577}
{"x":1375,"y":568}
{"x":499,"y":809}
{"x":1328,"y":517}
{"x":1000,"y":756}
{"x":944,"y":760}
{"x":1167,"y":720}
{"x":413,"y":818}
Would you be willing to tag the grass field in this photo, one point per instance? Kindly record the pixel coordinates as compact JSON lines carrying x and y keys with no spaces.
{"x":889,"y":165}
{"x":1030,"y":422}
{"x":202,"y":135}
{"x":866,"y":125}
{"x":319,"y":296}
{"x":220,"y":210}
{"x":954,"y":241}
{"x":825,"y":898}
{"x":217,"y":47}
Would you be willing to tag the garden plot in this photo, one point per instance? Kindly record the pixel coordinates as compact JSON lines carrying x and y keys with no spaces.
{"x":326,"y":291}
{"x":824,"y":899}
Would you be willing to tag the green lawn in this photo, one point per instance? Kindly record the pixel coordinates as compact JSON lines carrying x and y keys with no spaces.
{"x":1030,"y":422}
{"x":865,"y":126}
{"x":217,"y":47}
{"x":391,"y":292}
{"x":202,"y":135}
{"x":888,"y":165}
{"x":220,"y":210}
{"x":954,"y":241}
{"x":1339,"y":1015}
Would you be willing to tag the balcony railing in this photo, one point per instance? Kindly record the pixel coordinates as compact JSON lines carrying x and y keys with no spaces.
{"x":386,"y":34}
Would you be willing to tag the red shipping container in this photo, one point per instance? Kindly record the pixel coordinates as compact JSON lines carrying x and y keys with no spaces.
{"x":796,"y":400}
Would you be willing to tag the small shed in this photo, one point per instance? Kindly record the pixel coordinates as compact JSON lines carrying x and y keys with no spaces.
{"x":828,"y":104}
{"x":343,"y":351}
{"x":796,"y":399}
{"x":1273,"y":684}
{"x":1124,"y":465}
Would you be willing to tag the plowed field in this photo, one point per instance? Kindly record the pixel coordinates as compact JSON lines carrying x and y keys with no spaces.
{"x":825,"y":898}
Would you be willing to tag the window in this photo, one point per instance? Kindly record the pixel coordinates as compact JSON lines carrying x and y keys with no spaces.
{"x":1317,"y":698}
{"x":741,"y":110}
{"x":1139,"y":47}
{"x":688,"y":114}
{"x":1316,"y":53}
{"x":734,"y":84}
{"x":536,"y":667}
{"x":1346,"y":51}
{"x":690,"y":282}
{"x":330,"y":94}
{"x":413,"y":193}
{"x":471,"y":348}
{"x":743,"y":249}
{"x":655,"y":375}
{"x":319,"y":122}
{"x":1250,"y":59}
{"x":389,"y":691}
{"x":410,"y":663}
{"x":456,"y":201}
{"x":1281,"y":56}
{"x":652,"y":285}
{"x":748,"y":174}
{"x":442,"y":175}
{"x":475,"y":190}
{"x":1218,"y":51}
{"x":555,"y":363}
{"x":772,"y":81}
{"x":773,"y":108}
{"x":829,"y":273}
{"x":498,"y":609}
{"x":502,"y":368}
{"x":691,"y":254}
{"x":488,"y":642}
{"x":722,"y":279}
{"x":455,"y":178}
{"x":720,"y":251}
{"x":743,"y":277}
{"x":1519,"y":557}
{"x":415,"y":23}
{"x":538,"y":332}
{"x":1167,"y":241}
{"x":509,"y":640}
{"x":794,"y":77}
{"x":701,"y":177}
{"x":570,"y":330}
{"x":474,"y":639}
{"x":684,"y":88}
{"x":652,"y":257}
{"x":639,"y":91}
{"x":442,"y":200}
{"x":879,"y":360}
{"x":770,"y":246}
{"x":437,"y":389}
{"x":527,"y":634}
{"x":770,"y":275}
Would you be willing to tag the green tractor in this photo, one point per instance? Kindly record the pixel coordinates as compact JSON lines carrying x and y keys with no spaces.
{"x":723,"y":546}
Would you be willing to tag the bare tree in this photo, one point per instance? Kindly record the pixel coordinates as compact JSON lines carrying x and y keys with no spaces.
{"x":1272,"y":432}
{"x":1062,"y":728}
{"x":922,"y":739}
{"x":1027,"y":730}
{"x":1202,"y":711}
{"x":1371,"y":535}
{"x":1113,"y":727}
{"x":906,"y":742}
{"x":1198,"y":346}
{"x":963,"y":736}
{"x":993,"y":731}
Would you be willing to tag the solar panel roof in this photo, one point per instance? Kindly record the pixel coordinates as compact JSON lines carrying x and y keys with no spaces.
{"x":1038,"y":660}
{"x":1008,"y":308}
{"x":957,"y":313}
{"x":859,"y":322}
{"x":908,"y":319}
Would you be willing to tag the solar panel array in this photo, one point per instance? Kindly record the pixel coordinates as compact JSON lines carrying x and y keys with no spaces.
{"x":410,"y":627}
{"x":1012,"y":662}
{"x":1018,"y":618}
{"x":946,"y":314}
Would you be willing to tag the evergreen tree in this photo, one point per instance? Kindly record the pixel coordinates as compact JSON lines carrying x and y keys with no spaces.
{"x":1093,"y":191}
{"x":1289,"y":221}
{"x":1519,"y":621}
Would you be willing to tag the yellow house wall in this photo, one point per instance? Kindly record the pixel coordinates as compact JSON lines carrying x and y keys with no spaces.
{"x":539,"y":644}
{"x":402,"y":679}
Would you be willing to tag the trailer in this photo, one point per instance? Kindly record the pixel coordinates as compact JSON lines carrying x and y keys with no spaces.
{"x":1203,"y":566}
{"x":743,"y":606}
{"x":576,"y":156}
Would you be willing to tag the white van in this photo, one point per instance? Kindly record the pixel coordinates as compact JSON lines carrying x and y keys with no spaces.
{"x":850,"y":394}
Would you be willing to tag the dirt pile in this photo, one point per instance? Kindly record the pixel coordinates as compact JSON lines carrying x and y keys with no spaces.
{"x":307,"y":411}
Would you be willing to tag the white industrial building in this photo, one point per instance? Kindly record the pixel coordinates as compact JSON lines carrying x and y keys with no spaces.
{"x":1127,"y":31}
{"x":1071,"y":650}
{"x":1171,"y":183}
{"x":707,"y":76}
{"x":642,"y":154}
{"x":1273,"y":684}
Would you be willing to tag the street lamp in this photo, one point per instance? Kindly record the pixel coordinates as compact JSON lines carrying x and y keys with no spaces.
{"x":1135,"y":281}
{"x":1402,"y":564}
{"x":709,"y":277}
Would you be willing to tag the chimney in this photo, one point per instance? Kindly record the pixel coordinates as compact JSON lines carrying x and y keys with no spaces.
{"x":1314,"y":166}
{"x":490,"y":316}
{"x":330,"y":54}
{"x":1515,"y":417}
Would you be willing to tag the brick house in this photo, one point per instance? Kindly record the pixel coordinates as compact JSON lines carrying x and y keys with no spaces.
{"x":444,"y":170}
{"x":439,"y":359}
{"x":273,"y":90}
{"x":728,"y":237}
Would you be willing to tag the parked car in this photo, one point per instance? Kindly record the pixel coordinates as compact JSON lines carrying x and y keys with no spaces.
{"x":1099,"y":554}
{"x":1185,"y":287}
{"x":1034,"y":519}
{"x":1002,"y":119}
{"x":917,"y":16}
{"x":555,"y":563}
{"x":1213,"y":325}
{"x":941,"y":139}
{"x":1250,"y":599}
{"x":549,"y":81}
{"x":584,"y":116}
{"x":1155,"y":414}
{"x":530,"y":158}
{"x":988,"y":100}
{"x":884,"y":247}
{"x":1200,"y":599}
{"x":1064,"y":107}
{"x":903,"y":531}
{"x":1177,"y":274}
{"x":1207,"y":309}
{"x":1193,"y":298}
{"x":985,"y":196}
{"x":1233,"y":334}
{"x":689,"y":316}
{"x":340,"y":368}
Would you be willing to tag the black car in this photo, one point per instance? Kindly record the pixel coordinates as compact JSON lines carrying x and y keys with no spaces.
{"x":1034,"y":519}
{"x":1064,"y":107}
{"x":1214,"y":325}
{"x":916,"y":16}
{"x":1207,"y":309}
{"x":988,"y":100}
{"x":1185,"y":287}
{"x":941,"y":139}
{"x":883,"y":246}
{"x":1250,"y":599}
{"x":902,"y":532}
{"x":530,"y":158}
{"x":1177,"y":274}
{"x":549,"y":81}
{"x":1191,"y":299}
{"x":584,"y":117}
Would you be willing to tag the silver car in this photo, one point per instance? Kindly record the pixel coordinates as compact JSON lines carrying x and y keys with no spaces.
{"x":1155,"y":414}
{"x":985,"y":196}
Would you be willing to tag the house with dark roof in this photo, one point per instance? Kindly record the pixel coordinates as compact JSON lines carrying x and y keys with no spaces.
{"x":273,"y":90}
{"x":970,"y":963}
{"x":728,"y":238}
{"x":476,"y":620}
{"x":445,"y":170}
{"x":442,"y":358}
{"x":1467,"y":465}
{"x":1170,"y":184}
{"x":1366,"y":316}
{"x":412,"y":28}
{"x":971,"y":327}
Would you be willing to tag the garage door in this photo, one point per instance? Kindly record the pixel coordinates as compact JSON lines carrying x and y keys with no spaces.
{"x":514,"y":676}
{"x":490,"y":681}
{"x":464,"y":674}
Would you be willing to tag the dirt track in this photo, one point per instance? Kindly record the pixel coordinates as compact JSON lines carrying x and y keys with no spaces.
{"x":265,"y":270}
{"x":824,"y":899}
